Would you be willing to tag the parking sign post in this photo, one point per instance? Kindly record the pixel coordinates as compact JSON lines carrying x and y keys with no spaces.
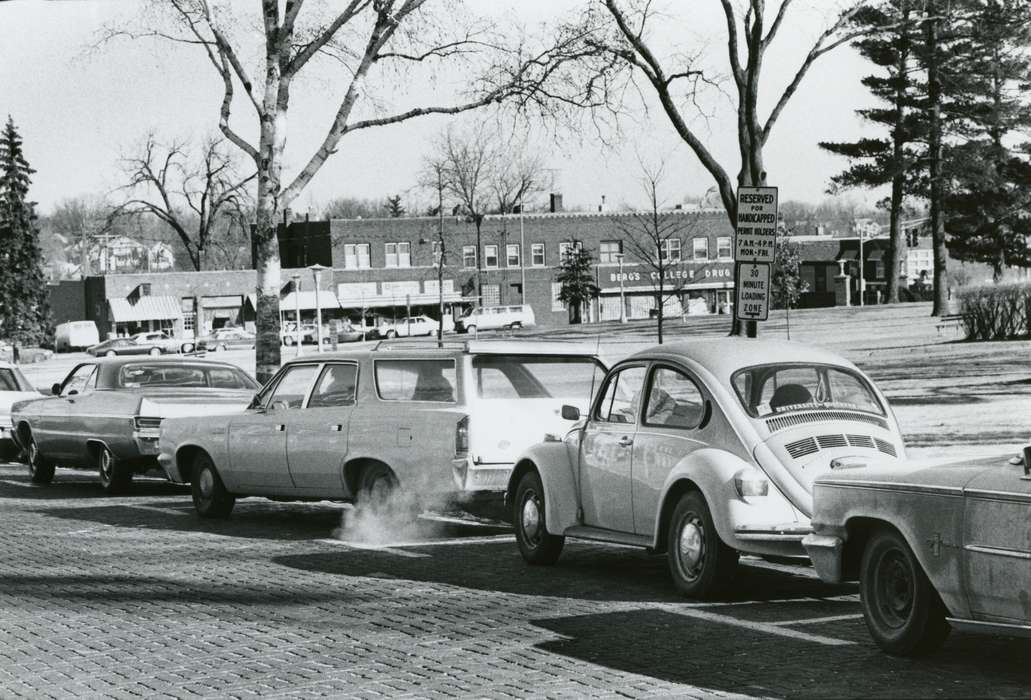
{"x":754,"y":251}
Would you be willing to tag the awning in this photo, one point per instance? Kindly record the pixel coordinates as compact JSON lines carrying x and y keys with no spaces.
{"x":146,"y":308}
{"x":848,"y":254}
{"x":876,"y":254}
{"x":382,"y":301}
{"x":306,"y":300}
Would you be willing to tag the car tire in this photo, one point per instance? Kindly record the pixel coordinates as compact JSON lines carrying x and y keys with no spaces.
{"x":110,"y":353}
{"x":700,"y":563}
{"x":115,"y":474}
{"x":536,"y":544}
{"x":41,"y":469}
{"x":377,"y":486}
{"x":186,"y":348}
{"x":470,"y":329}
{"x":391,"y":334}
{"x":903,"y":612}
{"x":210,"y":497}
{"x":288,"y":341}
{"x":154,"y":351}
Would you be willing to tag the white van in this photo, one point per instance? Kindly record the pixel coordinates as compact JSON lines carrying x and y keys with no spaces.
{"x":75,"y":335}
{"x":490,"y":317}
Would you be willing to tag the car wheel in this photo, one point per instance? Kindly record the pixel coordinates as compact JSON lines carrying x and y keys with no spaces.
{"x":701,"y":564}
{"x":287,"y":340}
{"x":115,"y":475}
{"x":377,"y":486}
{"x":536,"y":544}
{"x":186,"y":348}
{"x":210,"y":498}
{"x":110,"y":353}
{"x":903,"y":612}
{"x":391,"y":334}
{"x":154,"y":351}
{"x":41,"y":470}
{"x":470,"y":329}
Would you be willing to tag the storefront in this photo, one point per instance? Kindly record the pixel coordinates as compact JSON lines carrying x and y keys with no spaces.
{"x":689,"y":289}
{"x":145,"y":313}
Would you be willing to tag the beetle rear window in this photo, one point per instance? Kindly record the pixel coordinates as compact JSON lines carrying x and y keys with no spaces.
{"x":778,"y":388}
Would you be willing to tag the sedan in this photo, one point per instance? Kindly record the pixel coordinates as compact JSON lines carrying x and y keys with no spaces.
{"x":225,"y":339}
{"x":107,"y":413}
{"x":933,"y":545}
{"x":703,"y":450}
{"x":410,"y":326}
{"x":124,"y":346}
{"x":13,"y":387}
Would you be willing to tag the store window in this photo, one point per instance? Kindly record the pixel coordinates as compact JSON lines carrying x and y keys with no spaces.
{"x":491,"y":294}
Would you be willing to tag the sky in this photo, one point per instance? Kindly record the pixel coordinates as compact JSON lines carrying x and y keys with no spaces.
{"x":80,"y":107}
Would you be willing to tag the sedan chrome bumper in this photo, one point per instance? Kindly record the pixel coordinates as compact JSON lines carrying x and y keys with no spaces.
{"x":825,"y":553}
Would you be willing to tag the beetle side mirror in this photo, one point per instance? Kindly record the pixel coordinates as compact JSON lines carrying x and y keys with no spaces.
{"x":56,"y":389}
{"x":570,"y":413}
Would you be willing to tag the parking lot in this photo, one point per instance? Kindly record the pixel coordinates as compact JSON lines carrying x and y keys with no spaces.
{"x":135,"y":596}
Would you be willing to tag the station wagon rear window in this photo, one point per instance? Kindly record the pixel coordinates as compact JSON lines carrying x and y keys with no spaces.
{"x":778,"y":388}
{"x":536,"y":377}
{"x":142,"y":375}
{"x":416,"y":380}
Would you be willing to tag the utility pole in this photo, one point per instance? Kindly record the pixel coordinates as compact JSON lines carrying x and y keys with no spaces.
{"x":440,"y":259}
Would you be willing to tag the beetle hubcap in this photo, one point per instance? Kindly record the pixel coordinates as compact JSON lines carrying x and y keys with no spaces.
{"x":692,"y":546}
{"x":206,"y":483}
{"x":531,"y":518}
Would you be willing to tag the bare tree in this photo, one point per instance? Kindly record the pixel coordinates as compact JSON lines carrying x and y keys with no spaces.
{"x":517,"y":174}
{"x":191,"y":198}
{"x":370,"y":41}
{"x":621,"y":31}
{"x":654,"y":239}
{"x":78,"y":221}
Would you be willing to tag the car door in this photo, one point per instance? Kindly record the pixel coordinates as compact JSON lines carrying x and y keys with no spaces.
{"x":669,"y":431}
{"x":997,"y":544}
{"x":257,"y":438}
{"x":63,"y":422}
{"x":316,"y":436}
{"x":606,"y":452}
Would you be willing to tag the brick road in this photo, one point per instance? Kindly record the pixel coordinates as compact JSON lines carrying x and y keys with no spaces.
{"x":136,"y":597}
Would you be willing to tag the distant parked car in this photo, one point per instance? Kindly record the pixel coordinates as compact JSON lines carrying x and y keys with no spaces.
{"x":75,"y":335}
{"x":225,"y":339}
{"x":106,"y":414}
{"x":932,"y":545}
{"x":288,"y":334}
{"x":408,"y":326}
{"x":164,"y":340}
{"x":13,"y":387}
{"x":123,"y":346}
{"x":495,"y":317}
{"x":359,"y":424}
{"x":702,"y":450}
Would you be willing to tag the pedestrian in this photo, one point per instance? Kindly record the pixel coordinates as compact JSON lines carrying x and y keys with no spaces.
{"x":15,"y":353}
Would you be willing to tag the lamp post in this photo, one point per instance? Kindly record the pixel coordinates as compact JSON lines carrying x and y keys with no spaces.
{"x":522,"y":253}
{"x":296,"y":277}
{"x":316,"y":271}
{"x":622,"y":300}
{"x":862,"y":272}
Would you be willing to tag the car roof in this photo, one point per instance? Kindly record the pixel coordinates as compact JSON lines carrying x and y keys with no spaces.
{"x":385,"y":349}
{"x":128,"y":359}
{"x":724,"y":356}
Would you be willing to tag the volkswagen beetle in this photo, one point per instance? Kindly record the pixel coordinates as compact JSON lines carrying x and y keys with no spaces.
{"x":703,"y":450}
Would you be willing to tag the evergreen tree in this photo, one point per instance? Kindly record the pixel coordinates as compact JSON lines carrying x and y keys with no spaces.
{"x":986,"y":208}
{"x":24,"y":303}
{"x":395,"y":210}
{"x":577,"y":281}
{"x":787,"y":285}
{"x":888,"y":36}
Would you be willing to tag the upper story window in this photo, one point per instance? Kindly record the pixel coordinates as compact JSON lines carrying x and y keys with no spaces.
{"x":700,"y":248}
{"x":490,"y":256}
{"x":438,"y":253}
{"x":669,"y":251}
{"x":537,"y":255}
{"x":513,"y":256}
{"x":398,"y":254}
{"x":724,"y":248}
{"x":609,"y":251}
{"x":468,"y":256}
{"x":356,"y":256}
{"x":564,"y":247}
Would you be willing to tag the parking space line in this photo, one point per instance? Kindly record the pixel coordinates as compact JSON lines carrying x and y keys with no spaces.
{"x":386,"y":549}
{"x":764,"y":627}
{"x":171,"y":510}
{"x":817,"y":620}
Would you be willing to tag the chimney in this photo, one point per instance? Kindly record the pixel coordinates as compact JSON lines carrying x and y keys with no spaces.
{"x":602,"y":207}
{"x":556,"y":202}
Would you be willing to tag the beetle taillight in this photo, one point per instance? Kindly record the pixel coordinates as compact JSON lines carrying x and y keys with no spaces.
{"x":462,"y":437}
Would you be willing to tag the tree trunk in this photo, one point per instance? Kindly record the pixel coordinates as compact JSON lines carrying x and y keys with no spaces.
{"x":662,"y":273}
{"x":479,"y":261}
{"x":937,"y":192}
{"x":898,"y":141}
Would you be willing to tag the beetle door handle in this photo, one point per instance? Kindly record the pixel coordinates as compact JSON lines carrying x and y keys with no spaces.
{"x":337,"y":428}
{"x":281,"y":427}
{"x":626,"y":441}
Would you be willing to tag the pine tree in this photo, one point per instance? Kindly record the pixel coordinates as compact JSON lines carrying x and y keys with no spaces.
{"x":24,"y":303}
{"x":787,"y":285}
{"x":576,"y":280}
{"x":888,"y":30}
{"x":395,"y":210}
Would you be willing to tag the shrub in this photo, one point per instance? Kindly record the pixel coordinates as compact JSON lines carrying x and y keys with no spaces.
{"x":995,"y":312}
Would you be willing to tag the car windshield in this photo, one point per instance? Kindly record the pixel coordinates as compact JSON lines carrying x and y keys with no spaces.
{"x":142,"y":375}
{"x":12,"y":380}
{"x":778,"y":388}
{"x":536,"y":377}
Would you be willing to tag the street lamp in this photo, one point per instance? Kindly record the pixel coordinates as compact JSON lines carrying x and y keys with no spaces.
{"x":296,"y":277}
{"x":316,"y":271}
{"x":622,"y":300}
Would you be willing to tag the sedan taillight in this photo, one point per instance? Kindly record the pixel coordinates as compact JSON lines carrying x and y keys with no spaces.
{"x":146,"y":423}
{"x":462,"y":437}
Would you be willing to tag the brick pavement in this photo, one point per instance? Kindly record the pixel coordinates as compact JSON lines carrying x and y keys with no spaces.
{"x":136,"y":597}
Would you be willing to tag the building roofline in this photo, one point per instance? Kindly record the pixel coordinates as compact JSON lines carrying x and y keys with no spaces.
{"x":713,"y":211}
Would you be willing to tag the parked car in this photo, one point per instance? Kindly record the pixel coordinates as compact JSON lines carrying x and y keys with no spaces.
{"x":123,"y":346}
{"x":348,"y":332}
{"x":703,"y":450}
{"x":75,"y":335}
{"x":494,"y":317}
{"x":225,"y":339}
{"x":163,"y":340}
{"x":13,"y":387}
{"x":106,"y":414}
{"x":288,"y":334}
{"x":933,"y":546}
{"x":408,"y":326}
{"x":351,"y":424}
